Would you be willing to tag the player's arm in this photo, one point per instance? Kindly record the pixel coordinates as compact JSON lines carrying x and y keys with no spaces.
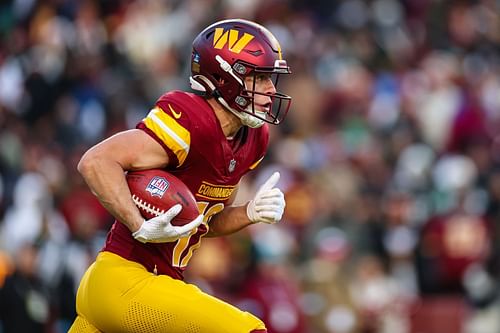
{"x":267,"y":206}
{"x":103,"y":167}
{"x":230,"y":220}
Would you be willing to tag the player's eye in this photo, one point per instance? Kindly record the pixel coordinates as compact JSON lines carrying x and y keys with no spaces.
{"x":262,"y":77}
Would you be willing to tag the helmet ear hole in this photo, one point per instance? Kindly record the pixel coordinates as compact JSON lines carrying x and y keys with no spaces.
{"x":218,"y":78}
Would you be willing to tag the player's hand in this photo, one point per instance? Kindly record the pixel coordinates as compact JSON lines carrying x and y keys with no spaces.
{"x":268,"y":204}
{"x":160,"y":229}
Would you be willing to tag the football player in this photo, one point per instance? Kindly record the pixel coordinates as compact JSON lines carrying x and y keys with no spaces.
{"x":209,"y":140}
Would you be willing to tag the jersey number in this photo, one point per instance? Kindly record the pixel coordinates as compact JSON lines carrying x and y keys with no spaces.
{"x":181,"y":257}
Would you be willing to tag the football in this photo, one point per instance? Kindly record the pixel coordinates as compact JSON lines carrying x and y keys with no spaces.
{"x":155,"y":191}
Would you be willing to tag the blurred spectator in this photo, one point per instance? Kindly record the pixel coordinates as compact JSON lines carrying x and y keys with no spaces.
{"x":326,"y":299}
{"x":32,"y":216}
{"x":24,"y":300}
{"x":216,"y":266}
{"x":269,"y":289}
{"x":382,"y":302}
{"x":456,"y":238}
{"x":79,"y":252}
{"x":80,"y":207}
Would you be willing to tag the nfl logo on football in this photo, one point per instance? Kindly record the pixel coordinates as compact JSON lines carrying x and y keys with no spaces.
{"x":158,"y":186}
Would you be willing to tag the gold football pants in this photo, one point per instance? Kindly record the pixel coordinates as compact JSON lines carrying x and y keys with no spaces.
{"x":117,"y":295}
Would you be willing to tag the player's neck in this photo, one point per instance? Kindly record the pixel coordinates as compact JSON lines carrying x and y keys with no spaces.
{"x":229,"y":123}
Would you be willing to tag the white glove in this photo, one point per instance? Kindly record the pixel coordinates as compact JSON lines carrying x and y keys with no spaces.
{"x":268,"y":204}
{"x":160,"y":230}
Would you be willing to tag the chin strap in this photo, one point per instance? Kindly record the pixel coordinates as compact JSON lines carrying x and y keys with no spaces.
{"x":195,"y":85}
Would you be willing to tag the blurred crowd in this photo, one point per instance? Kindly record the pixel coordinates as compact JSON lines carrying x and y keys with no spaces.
{"x":390,"y":158}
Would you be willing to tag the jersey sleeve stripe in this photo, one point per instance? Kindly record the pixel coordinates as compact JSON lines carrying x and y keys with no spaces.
{"x":253,"y":166}
{"x":170,"y":132}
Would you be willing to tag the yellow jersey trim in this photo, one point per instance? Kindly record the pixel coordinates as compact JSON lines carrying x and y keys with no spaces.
{"x":170,"y":132}
{"x":253,"y":166}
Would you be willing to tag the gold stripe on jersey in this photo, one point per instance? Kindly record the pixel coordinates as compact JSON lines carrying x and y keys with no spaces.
{"x":180,"y":247}
{"x":215,"y":209}
{"x":253,"y":166}
{"x":170,"y":132}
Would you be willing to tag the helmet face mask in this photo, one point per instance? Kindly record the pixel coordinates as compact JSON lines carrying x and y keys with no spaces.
{"x":228,"y":53}
{"x":279,"y":105}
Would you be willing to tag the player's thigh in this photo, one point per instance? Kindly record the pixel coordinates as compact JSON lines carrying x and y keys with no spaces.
{"x":103,"y":295}
{"x":117,"y":295}
{"x":175,"y":306}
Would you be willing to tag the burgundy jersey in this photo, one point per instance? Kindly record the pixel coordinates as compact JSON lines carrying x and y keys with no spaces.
{"x":202,"y":157}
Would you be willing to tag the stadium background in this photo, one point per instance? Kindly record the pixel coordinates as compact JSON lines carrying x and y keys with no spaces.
{"x":389,"y":157}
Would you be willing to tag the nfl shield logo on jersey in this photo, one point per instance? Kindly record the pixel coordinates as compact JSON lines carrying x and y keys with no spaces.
{"x":232,"y":165}
{"x":158,"y":186}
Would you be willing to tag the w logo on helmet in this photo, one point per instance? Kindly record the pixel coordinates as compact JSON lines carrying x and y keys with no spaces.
{"x":236,"y":44}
